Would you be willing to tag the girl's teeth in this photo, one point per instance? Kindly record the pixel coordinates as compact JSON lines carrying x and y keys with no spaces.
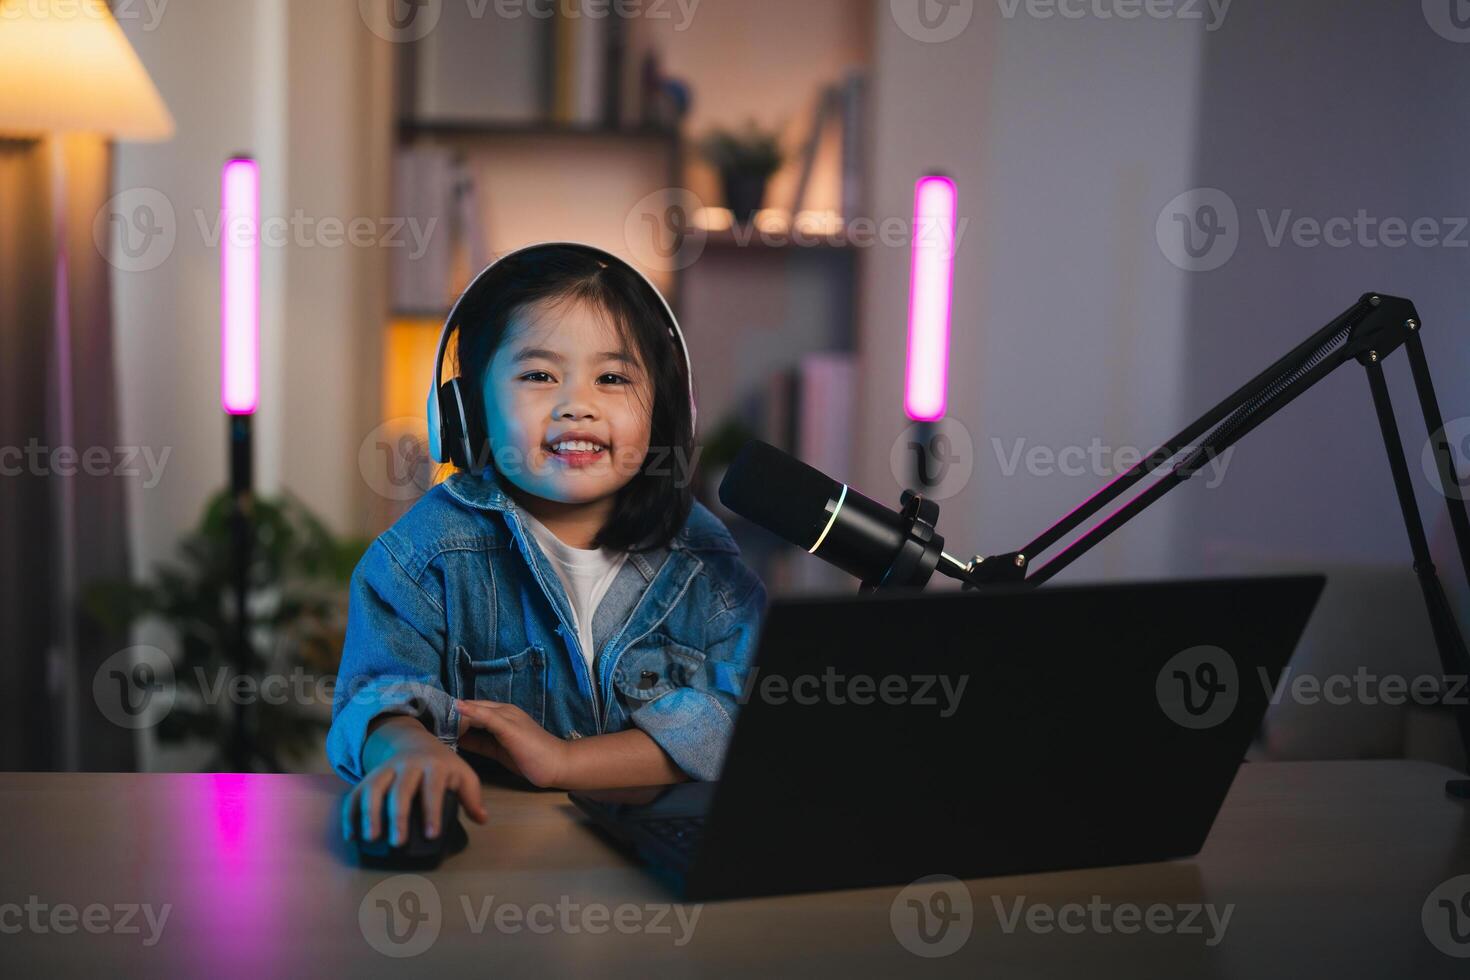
{"x":576,"y":447}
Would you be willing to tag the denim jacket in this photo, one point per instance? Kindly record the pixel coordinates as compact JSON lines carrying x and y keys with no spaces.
{"x":457,"y":601}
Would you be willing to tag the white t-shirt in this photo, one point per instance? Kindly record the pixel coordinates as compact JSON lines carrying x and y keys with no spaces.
{"x":586,"y":573}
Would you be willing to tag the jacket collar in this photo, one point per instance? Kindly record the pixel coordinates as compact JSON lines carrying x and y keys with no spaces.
{"x":702,"y":531}
{"x":482,"y":492}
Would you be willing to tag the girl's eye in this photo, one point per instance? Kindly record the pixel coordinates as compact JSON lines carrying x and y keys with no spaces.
{"x":536,"y":376}
{"x":618,"y":379}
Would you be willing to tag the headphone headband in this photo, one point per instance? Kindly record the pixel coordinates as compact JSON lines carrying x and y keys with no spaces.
{"x":449,"y":426}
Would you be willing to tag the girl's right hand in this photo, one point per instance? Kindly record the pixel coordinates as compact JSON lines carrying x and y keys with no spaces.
{"x":424,"y":768}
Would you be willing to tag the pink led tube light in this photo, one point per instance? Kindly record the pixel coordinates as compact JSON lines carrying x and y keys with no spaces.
{"x":240,"y":287}
{"x":931,"y":290}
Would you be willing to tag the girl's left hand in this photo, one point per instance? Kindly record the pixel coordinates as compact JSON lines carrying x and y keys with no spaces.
{"x":512,"y":738}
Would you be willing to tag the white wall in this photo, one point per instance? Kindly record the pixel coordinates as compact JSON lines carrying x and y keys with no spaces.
{"x":1068,"y":325}
{"x":167,"y":316}
{"x":329,"y":353}
{"x":1318,"y":110}
{"x":290,"y":83}
{"x":287,"y":83}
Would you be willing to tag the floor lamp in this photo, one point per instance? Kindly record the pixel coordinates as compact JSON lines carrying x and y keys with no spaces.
{"x":66,"y":67}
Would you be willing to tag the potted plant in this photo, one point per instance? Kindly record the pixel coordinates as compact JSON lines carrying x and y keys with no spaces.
{"x":297,"y":601}
{"x":716,"y":455}
{"x":746,"y":158}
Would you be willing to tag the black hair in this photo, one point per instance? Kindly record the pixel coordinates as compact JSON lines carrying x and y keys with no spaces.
{"x":652,"y":507}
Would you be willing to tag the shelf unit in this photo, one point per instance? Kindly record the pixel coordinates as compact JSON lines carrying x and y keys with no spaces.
{"x":467,"y":134}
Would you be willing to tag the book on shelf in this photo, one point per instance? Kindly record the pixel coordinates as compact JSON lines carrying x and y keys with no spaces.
{"x":478,"y":69}
{"x":614,"y":67}
{"x":469,"y":238}
{"x":854,"y":106}
{"x":844,"y":105}
{"x":828,"y":103}
{"x":807,"y":411}
{"x":570,"y":70}
{"x":826,"y":404}
{"x":583,"y":54}
{"x":778,"y":417}
{"x":423,"y":191}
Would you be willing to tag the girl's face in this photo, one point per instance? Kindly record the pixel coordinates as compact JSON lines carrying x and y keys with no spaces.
{"x":569,"y":404}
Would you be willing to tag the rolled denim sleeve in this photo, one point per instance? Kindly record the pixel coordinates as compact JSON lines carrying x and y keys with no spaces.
{"x":393,"y":660}
{"x":693,"y":724}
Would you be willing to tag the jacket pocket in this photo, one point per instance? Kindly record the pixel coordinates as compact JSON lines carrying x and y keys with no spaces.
{"x":519,"y":680}
{"x":656,"y":666}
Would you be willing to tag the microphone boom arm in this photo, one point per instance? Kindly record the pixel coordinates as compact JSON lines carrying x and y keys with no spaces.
{"x":1369,"y":331}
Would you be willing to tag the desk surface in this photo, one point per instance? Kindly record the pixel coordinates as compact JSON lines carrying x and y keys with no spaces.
{"x":1324,"y":869}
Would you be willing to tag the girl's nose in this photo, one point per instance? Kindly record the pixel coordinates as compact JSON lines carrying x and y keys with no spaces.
{"x":576,"y":404}
{"x":576,"y":407}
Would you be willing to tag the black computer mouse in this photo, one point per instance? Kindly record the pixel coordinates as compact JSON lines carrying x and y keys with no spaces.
{"x":418,"y":851}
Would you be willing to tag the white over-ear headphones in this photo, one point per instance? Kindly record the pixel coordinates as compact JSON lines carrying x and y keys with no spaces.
{"x":453,"y":435}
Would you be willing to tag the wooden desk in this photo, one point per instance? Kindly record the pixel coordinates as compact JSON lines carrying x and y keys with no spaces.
{"x":1327,"y":867}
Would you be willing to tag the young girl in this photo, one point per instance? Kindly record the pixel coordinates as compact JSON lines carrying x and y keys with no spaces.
{"x":561,"y":604}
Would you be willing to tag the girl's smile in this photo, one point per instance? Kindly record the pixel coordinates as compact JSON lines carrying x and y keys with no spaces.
{"x":569,"y":405}
{"x":577,"y":448}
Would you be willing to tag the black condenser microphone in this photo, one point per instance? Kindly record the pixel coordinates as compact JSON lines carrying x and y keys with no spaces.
{"x":881,"y":547}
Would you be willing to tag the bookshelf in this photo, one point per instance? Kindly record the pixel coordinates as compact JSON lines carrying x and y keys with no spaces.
{"x":631,"y":161}
{"x":410,"y":128}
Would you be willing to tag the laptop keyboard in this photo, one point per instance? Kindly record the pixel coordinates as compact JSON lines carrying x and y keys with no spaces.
{"x":680,"y":833}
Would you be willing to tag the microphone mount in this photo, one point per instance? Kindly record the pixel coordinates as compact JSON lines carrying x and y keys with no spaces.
{"x":921,"y":550}
{"x":1367,"y":332}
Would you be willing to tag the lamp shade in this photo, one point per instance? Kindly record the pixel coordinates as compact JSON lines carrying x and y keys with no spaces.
{"x":66,"y":66}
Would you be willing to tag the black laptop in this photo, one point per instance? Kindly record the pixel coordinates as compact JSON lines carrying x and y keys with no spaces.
{"x":891,"y":736}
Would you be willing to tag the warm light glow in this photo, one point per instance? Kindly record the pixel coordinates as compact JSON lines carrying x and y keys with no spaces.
{"x":240,"y":287}
{"x":772,"y":221}
{"x":714,"y":219}
{"x":65,"y":66}
{"x":930,"y":295}
{"x":409,"y":346}
{"x":821,"y":223}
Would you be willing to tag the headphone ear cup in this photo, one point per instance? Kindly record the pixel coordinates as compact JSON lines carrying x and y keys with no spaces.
{"x":475,"y":440}
{"x":454,"y":424}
